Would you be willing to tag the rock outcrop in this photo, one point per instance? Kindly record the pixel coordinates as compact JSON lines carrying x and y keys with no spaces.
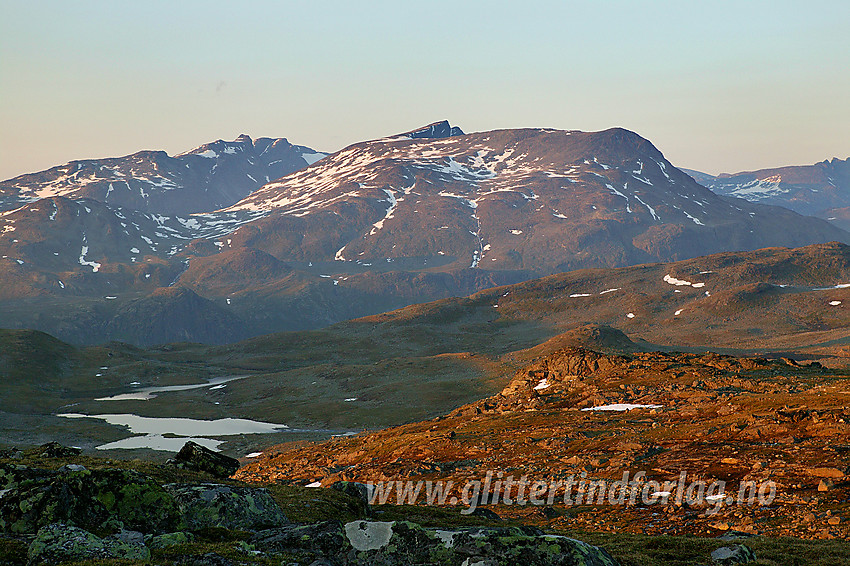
{"x":393,"y":543}
{"x":199,"y":458}
{"x":563,"y":366}
{"x":59,"y":542}
{"x":230,"y":507}
{"x":91,"y":499}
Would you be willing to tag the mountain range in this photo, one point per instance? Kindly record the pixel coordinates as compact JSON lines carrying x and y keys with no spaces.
{"x":209,"y":177}
{"x":381,"y":224}
{"x":821,"y":190}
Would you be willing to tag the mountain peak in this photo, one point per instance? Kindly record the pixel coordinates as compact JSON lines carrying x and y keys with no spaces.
{"x":435,"y":130}
{"x":619,"y":139}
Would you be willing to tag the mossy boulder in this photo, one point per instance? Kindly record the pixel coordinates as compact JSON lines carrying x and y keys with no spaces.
{"x":411,"y":543}
{"x":33,"y":498}
{"x":137,"y":500}
{"x":231,"y":507}
{"x":59,"y":542}
{"x":397,"y":543}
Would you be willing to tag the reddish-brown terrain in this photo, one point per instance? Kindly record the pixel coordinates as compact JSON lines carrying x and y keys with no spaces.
{"x":713,"y":417}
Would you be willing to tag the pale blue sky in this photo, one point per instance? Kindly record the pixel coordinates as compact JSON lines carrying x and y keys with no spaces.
{"x":716,"y":85}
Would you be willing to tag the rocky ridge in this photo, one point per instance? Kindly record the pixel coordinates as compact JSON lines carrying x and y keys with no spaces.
{"x":821,"y":190}
{"x":204,"y":179}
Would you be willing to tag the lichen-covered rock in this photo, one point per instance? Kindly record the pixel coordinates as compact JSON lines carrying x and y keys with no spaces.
{"x":411,"y":543}
{"x":59,"y":542}
{"x":231,"y":507}
{"x":199,"y":458}
{"x":736,"y":536}
{"x":89,"y":499}
{"x":361,"y":543}
{"x":11,"y":475}
{"x":169,"y":539}
{"x":735,"y":554}
{"x":137,"y":500}
{"x":34,"y":498}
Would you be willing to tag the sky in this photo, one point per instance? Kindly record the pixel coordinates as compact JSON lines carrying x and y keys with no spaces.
{"x":717,"y":86}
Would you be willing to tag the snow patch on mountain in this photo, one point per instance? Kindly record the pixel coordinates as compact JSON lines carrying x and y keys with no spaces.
{"x":95,"y":266}
{"x":202,"y":179}
{"x":389,"y":214}
{"x":681,"y":282}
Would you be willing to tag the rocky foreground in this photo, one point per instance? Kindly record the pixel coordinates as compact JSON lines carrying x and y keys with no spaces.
{"x":75,"y":513}
{"x":568,"y":421}
{"x":58,"y":506}
{"x":779,"y":426}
